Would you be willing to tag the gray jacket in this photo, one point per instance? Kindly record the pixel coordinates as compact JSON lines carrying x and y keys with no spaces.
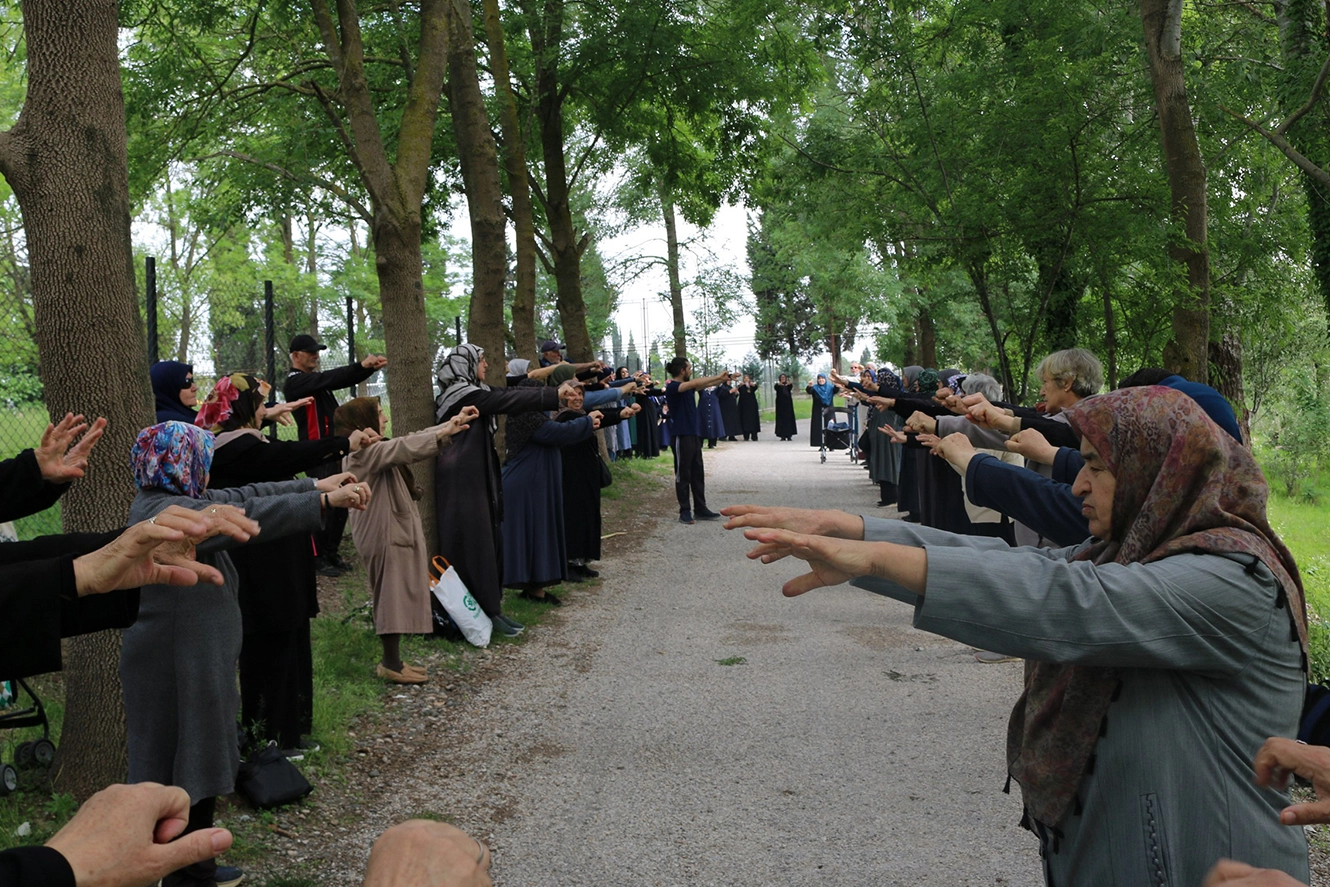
{"x":1212,"y":667}
{"x":178,"y":661}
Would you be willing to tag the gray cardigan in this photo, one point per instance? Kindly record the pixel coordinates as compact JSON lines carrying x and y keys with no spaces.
{"x":1211,"y":666}
{"x":178,"y":661}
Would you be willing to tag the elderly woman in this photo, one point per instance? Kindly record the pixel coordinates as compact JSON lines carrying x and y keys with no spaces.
{"x":468,"y":489}
{"x":582,"y":475}
{"x":277,"y":587}
{"x":178,"y":661}
{"x":750,"y":413}
{"x":388,"y":533}
{"x":1160,"y":652}
{"x":786,"y":428}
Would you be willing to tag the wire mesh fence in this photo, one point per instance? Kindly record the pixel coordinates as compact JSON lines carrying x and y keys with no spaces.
{"x":225,"y":327}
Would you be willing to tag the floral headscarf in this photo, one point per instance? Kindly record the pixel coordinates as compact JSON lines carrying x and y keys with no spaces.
{"x":1183,"y":485}
{"x":927,"y":380}
{"x":887,"y":379}
{"x":233,"y":403}
{"x":459,"y":375}
{"x":174,"y":457}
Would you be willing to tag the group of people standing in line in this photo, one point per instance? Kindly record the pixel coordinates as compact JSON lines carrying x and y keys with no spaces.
{"x":1119,"y":544}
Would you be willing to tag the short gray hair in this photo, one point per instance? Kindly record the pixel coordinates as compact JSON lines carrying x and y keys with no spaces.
{"x":1075,"y":365}
{"x":982,"y":383}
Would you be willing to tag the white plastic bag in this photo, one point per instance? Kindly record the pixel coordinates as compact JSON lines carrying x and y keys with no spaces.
{"x":460,"y":605}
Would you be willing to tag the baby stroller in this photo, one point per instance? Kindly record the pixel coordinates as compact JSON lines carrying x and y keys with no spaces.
{"x":837,"y":434}
{"x":14,"y":715}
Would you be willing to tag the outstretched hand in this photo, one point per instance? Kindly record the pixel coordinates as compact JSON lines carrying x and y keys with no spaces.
{"x":1279,"y":760}
{"x":127,"y":834}
{"x":831,"y":561}
{"x":893,"y":434}
{"x":160,"y":550}
{"x":807,"y":521}
{"x":461,"y":421}
{"x":59,"y":458}
{"x":1229,"y":873}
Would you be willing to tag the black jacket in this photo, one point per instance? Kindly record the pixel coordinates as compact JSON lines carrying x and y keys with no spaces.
{"x":23,"y":490}
{"x":35,"y":867}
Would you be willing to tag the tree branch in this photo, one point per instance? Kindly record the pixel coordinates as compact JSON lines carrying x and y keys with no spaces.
{"x":1312,"y":99}
{"x":1277,"y":139}
{"x":331,"y":187}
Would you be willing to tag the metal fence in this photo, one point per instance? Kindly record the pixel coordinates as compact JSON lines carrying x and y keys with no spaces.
{"x":219,"y":329}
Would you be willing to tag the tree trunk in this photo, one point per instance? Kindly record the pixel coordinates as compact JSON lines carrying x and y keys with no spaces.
{"x":519,"y":189}
{"x":66,"y":161}
{"x":1110,"y":335}
{"x":1188,"y":352}
{"x":484,"y":193}
{"x":397,"y":188}
{"x":672,"y":265}
{"x":565,"y":247}
{"x":980,"y":282}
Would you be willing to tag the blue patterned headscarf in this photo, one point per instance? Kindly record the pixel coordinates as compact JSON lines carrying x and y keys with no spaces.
{"x":174,"y":457}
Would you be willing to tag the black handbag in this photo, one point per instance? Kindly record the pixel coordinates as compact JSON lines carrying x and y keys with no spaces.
{"x":605,"y":477}
{"x":268,"y":779}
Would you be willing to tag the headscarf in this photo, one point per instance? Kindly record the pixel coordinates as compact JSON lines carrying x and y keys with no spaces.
{"x":233,"y":403}
{"x":887,"y":379}
{"x":910,"y":375}
{"x":362,"y":414}
{"x":560,"y":374}
{"x":174,"y":457}
{"x":952,"y":379}
{"x":459,"y":375}
{"x":1183,"y":485}
{"x":927,"y":381}
{"x":168,"y":380}
{"x":518,"y":366}
{"x":824,"y":389}
{"x":517,"y":432}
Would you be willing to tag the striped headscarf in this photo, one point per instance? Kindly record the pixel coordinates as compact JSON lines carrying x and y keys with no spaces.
{"x":1183,"y":485}
{"x":174,"y":457}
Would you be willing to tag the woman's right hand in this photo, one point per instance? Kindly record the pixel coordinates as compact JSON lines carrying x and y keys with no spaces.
{"x":566,"y":391}
{"x":806,"y":521}
{"x":354,"y":495}
{"x":595,"y":417}
{"x":363,"y":437}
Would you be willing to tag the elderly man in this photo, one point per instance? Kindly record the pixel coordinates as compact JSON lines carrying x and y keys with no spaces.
{"x":316,"y":421}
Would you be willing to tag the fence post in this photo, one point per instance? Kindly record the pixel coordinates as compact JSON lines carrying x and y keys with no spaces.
{"x":150,"y":285}
{"x":271,"y":346}
{"x":350,"y":331}
{"x":457,"y":322}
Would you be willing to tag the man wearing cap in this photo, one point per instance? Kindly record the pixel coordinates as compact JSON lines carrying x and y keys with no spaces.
{"x":551,"y":352}
{"x":316,"y":421}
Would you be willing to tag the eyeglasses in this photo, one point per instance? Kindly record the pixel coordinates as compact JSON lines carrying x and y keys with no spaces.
{"x":190,"y":383}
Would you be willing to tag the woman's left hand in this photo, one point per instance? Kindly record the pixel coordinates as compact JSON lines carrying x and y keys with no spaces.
{"x":595,"y":416}
{"x":59,"y":459}
{"x":922,"y":422}
{"x":461,"y":421}
{"x":831,"y":561}
{"x":354,"y":495}
{"x":281,"y":412}
{"x":956,"y":448}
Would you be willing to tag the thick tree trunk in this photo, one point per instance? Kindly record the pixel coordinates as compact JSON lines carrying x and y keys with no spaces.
{"x":1188,"y":353}
{"x":66,"y":161}
{"x":519,"y":189}
{"x":484,"y":194}
{"x":672,"y":266}
{"x":565,"y":247}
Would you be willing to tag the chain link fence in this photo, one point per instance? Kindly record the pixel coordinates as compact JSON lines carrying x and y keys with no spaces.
{"x":218,"y":327}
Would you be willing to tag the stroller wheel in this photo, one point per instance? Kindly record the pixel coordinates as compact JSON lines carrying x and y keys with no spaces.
{"x":8,"y":779}
{"x":43,"y":752}
{"x":824,"y":457}
{"x":23,"y":754}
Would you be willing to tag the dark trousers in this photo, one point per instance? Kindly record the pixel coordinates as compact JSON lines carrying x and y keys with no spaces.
{"x":277,"y":686}
{"x":327,"y":540}
{"x":200,"y":817}
{"x":688,"y":474}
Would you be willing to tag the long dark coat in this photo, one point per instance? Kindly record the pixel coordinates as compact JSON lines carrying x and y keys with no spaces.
{"x":648,"y":436}
{"x":729,"y":409}
{"x":816,"y":419}
{"x":750,"y":417}
{"x":468,"y":491}
{"x":581,"y":492}
{"x":785,"y":424}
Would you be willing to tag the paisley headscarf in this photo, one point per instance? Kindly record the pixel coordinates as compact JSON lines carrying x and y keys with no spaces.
{"x":887,"y":379}
{"x":952,"y":379}
{"x":168,"y":380}
{"x":1183,"y":485}
{"x":233,"y":403}
{"x":172,"y":456}
{"x":459,"y":375}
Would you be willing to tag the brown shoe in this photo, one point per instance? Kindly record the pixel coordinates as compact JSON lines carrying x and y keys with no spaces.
{"x":408,"y":668}
{"x":400,"y":677}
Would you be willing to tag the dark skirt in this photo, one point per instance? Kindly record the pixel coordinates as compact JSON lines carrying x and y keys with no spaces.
{"x":750,"y":417}
{"x":785,"y":424}
{"x":815,"y":422}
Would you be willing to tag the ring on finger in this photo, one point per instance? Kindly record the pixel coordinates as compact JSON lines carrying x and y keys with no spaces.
{"x":480,"y":857}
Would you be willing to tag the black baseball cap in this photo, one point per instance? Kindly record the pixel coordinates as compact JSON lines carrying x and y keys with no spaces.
{"x":306,"y":342}
{"x":550,"y":345}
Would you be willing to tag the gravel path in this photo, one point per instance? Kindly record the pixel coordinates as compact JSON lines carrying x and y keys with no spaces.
{"x":615,"y":747}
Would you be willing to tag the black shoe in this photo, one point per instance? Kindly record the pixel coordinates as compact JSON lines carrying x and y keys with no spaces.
{"x":704,"y":514}
{"x":588,"y":572}
{"x":337,"y":561}
{"x":323,"y":568}
{"x":507,"y":627}
{"x":546,"y":598}
{"x":685,"y":517}
{"x":911,"y":519}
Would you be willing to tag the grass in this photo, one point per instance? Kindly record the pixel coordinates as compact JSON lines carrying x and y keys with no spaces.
{"x":732,"y":660}
{"x":1304,"y":525}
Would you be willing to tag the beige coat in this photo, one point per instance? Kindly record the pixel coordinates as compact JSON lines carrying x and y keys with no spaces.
{"x":388,"y":534}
